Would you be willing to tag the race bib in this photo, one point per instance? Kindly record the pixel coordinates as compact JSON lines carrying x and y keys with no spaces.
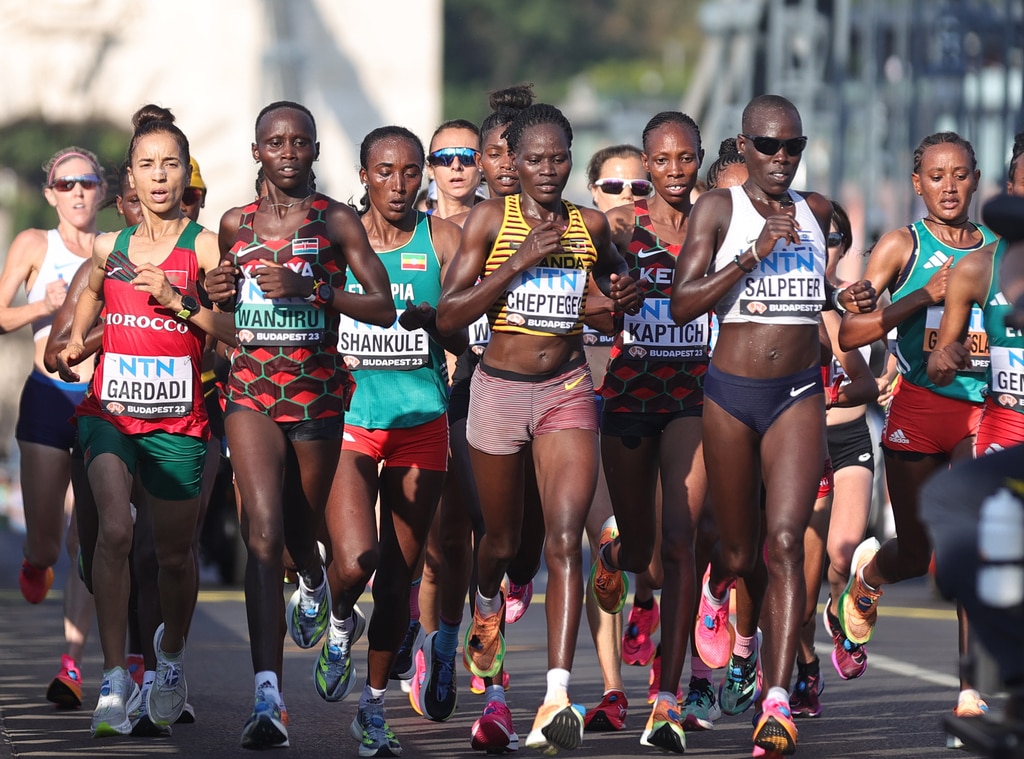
{"x":479,"y":335}
{"x":976,"y":342}
{"x":146,"y":387}
{"x":546,"y":299}
{"x":652,"y":334}
{"x":789,"y":281}
{"x":1007,"y":388}
{"x":275,"y":321}
{"x":367,"y":346}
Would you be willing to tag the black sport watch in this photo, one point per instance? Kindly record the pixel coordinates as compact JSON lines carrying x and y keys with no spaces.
{"x":324,"y":293}
{"x":189,"y":308}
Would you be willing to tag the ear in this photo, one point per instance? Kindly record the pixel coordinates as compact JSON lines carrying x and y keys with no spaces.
{"x":131,"y":177}
{"x":643,"y":160}
{"x":316,"y":154}
{"x":50,"y":195}
{"x":916,"y":181}
{"x":700,"y":158}
{"x":255,"y":153}
{"x":363,"y":179}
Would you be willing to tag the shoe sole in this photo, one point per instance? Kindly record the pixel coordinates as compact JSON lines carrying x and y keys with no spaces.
{"x":564,"y":731}
{"x":492,"y":738}
{"x":264,"y":734}
{"x":63,"y":694}
{"x":144,"y":728}
{"x":773,"y":737}
{"x":472,"y":666}
{"x":622,"y":598}
{"x":600,"y":722}
{"x":868,"y":545}
{"x":665,"y":738}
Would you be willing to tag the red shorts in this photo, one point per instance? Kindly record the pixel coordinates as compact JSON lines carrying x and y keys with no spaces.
{"x":424,"y":446}
{"x":1000,"y":428}
{"x":828,"y":479}
{"x":925,"y":423}
{"x":507,"y":410}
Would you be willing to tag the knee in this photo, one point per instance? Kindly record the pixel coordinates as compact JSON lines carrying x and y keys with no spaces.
{"x":264,"y":546}
{"x":676,"y":551}
{"x":115,"y":537}
{"x":502,"y":548}
{"x":562,"y":549}
{"x":738,"y":560}
{"x":355,"y":569}
{"x":785,"y":547}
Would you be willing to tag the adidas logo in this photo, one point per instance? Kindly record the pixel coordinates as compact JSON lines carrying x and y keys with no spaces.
{"x":937,"y":259}
{"x":899,"y":437}
{"x":999,"y":300}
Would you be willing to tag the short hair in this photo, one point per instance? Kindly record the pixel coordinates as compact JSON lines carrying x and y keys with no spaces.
{"x":670,"y":117}
{"x":469,"y":126}
{"x":1018,"y":151}
{"x":535,"y":115}
{"x":278,"y":105}
{"x":943,"y":138}
{"x":728,"y":155}
{"x":763,"y":104}
{"x":598,"y":160}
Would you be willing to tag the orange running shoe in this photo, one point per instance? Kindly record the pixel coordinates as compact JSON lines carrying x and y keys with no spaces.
{"x":484,"y":646}
{"x":66,"y":689}
{"x":35,"y":583}
{"x":558,"y":725}
{"x":664,"y":729}
{"x":858,"y":606}
{"x":611,"y":586}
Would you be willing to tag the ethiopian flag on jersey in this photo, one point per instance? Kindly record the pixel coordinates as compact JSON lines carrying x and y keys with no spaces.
{"x":414,"y":262}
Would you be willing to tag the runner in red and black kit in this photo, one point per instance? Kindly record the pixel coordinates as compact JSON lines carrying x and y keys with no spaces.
{"x":651,"y":420}
{"x":284,"y":260}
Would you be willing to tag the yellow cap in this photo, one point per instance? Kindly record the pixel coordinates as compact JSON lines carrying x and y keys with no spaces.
{"x":197,"y":178}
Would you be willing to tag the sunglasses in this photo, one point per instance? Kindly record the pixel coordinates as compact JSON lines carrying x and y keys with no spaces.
{"x":835,"y":239}
{"x":67,"y":184}
{"x":770,"y":145}
{"x":447,"y":156}
{"x":611,"y":186}
{"x":191,"y":196}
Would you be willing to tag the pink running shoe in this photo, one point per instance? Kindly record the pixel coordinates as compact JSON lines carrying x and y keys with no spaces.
{"x":849,"y":659}
{"x":637,"y":645}
{"x":494,"y":732}
{"x":714,"y":633}
{"x":417,"y":680}
{"x":517,"y":600}
{"x":477,"y":685}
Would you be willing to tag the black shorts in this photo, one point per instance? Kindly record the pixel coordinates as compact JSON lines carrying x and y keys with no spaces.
{"x":849,"y":444}
{"x":45,"y":412}
{"x":458,"y":400}
{"x":328,"y":428}
{"x":627,"y":424}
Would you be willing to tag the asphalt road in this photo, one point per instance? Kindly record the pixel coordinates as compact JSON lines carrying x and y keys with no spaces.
{"x":893,"y":711}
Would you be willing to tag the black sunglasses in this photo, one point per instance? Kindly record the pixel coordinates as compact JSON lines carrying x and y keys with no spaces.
{"x":447,"y":156}
{"x":770,"y":145}
{"x":191,"y":196}
{"x":613,"y":186}
{"x":835,"y":239}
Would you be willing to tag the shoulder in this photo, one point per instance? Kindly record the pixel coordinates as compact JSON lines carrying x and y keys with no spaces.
{"x":889,"y":256}
{"x":977,"y":264}
{"x":28,"y":245}
{"x":595,"y":220}
{"x":232,"y":218}
{"x":207,"y":249}
{"x":820,"y":205}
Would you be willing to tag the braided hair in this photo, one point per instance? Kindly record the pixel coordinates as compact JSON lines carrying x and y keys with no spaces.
{"x":535,"y":115}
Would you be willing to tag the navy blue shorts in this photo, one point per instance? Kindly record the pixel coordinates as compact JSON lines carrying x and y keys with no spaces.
{"x":759,"y":402}
{"x":47,"y":407}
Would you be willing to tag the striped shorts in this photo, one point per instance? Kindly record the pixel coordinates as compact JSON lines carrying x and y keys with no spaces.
{"x":507,"y":410}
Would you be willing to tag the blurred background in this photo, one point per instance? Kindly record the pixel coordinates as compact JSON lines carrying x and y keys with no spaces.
{"x":870,"y":77}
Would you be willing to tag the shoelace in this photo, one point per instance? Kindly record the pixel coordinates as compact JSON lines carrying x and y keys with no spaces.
{"x":308,"y":605}
{"x":445,"y":675}
{"x":697,"y":692}
{"x":171,"y":673}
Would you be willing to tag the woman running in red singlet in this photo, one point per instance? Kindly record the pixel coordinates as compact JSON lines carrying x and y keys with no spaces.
{"x":145,"y":419}
{"x":285,"y":260}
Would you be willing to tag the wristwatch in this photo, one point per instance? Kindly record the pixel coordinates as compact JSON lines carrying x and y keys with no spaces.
{"x":323,"y":293}
{"x":189,"y":308}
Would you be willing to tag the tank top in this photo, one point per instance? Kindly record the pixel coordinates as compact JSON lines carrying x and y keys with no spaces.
{"x":550,"y":297}
{"x":286,"y":364}
{"x":58,"y":263}
{"x":655,"y":366}
{"x":402,"y":375}
{"x":1006,"y":344}
{"x":916,"y":335}
{"x":788,"y":286}
{"x":148,"y":378}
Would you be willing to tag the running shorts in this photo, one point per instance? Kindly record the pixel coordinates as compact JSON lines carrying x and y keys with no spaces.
{"x":922,"y":423}
{"x":424,"y":446}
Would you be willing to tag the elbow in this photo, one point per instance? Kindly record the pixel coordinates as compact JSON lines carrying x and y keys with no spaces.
{"x":446,"y":326}
{"x":678,"y":312}
{"x":385,"y":314}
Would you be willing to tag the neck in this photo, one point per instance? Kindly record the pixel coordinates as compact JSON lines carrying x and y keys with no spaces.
{"x":533,"y":209}
{"x":156,"y":226}
{"x":756,"y":193}
{"x":277,"y":198}
{"x":451,"y":206}
{"x":385,"y":234}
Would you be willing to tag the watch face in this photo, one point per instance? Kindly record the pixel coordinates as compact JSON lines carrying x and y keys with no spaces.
{"x":324,"y":292}
{"x":190,"y":304}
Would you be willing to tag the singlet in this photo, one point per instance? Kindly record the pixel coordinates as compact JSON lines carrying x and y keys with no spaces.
{"x":58,"y":263}
{"x":148,"y":378}
{"x":788,"y":286}
{"x":655,"y":366}
{"x":1006,"y":344}
{"x":917,"y":334}
{"x":550,"y":297}
{"x":286,"y":364}
{"x":402,"y":375}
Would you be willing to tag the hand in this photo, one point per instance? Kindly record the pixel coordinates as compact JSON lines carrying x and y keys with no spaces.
{"x":543,"y":240}
{"x":952,"y":358}
{"x":859,"y":298}
{"x":936,"y":287}
{"x":781,"y":226}
{"x":56,"y":292}
{"x":67,"y":358}
{"x":278,"y":281}
{"x":221,"y":283}
{"x":886,"y":386}
{"x":625,"y":294}
{"x":152,"y":279}
{"x":416,"y":317}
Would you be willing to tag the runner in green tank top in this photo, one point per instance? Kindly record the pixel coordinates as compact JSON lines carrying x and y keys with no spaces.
{"x":927,"y":426}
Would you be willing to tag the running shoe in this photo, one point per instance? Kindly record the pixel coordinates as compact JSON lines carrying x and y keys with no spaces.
{"x":404,"y":666}
{"x":970,"y":704}
{"x":267,"y":725}
{"x":742,"y":684}
{"x":664,"y":729}
{"x":188,"y":715}
{"x":558,"y":725}
{"x":119,"y":698}
{"x":416,"y":683}
{"x":370,"y":728}
{"x":142,"y":725}
{"x":484,"y":645}
{"x":136,"y":668}
{"x":849,"y":659}
{"x":66,"y":688}
{"x":700,"y":709}
{"x":714,"y":633}
{"x":493,"y":732}
{"x":439,"y":695}
{"x":517,"y":600}
{"x":333,"y":674}
{"x":637,"y":645}
{"x":858,"y":606}
{"x":308,"y":613}
{"x":804,"y":702}
{"x":35,"y":583}
{"x":610,"y":586}
{"x":654,"y":682}
{"x":775,"y":730}
{"x":167,"y":697}
{"x":609,"y":715}
{"x":478,"y":686}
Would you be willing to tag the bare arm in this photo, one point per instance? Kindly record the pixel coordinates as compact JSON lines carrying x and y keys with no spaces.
{"x":862,"y":387}
{"x":965,"y":288}
{"x":87,"y":310}
{"x":375,"y":304}
{"x":61,"y":328}
{"x":24,"y":257}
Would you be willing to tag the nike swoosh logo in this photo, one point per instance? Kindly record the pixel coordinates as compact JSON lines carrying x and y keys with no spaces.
{"x":795,"y":391}
{"x":648,"y":253}
{"x":572,"y":385}
{"x":114,"y":271}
